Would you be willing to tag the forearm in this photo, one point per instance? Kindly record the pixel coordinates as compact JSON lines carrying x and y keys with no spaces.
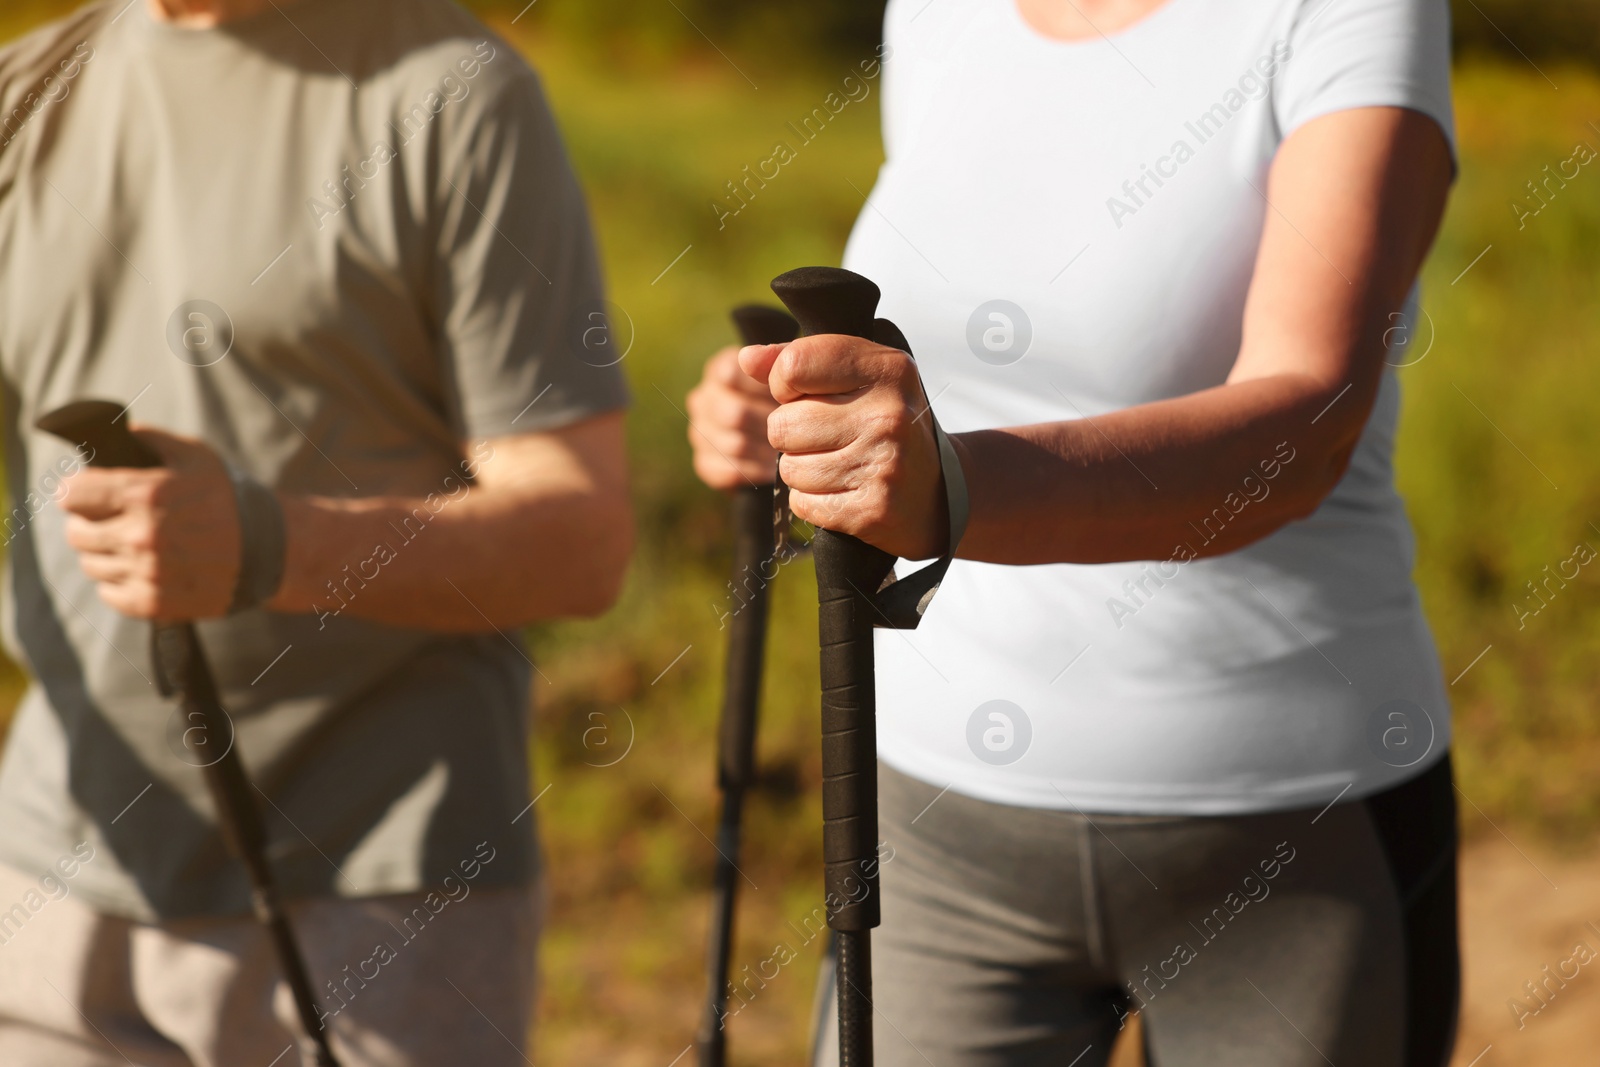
{"x":544,"y":531}
{"x":1197,"y":475}
{"x":458,"y":565}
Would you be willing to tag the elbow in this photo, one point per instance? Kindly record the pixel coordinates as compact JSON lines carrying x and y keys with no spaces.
{"x":1304,"y":502}
{"x":1309,"y":494}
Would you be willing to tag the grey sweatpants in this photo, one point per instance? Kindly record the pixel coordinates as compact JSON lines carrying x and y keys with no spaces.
{"x":1019,"y":937}
{"x":82,"y":989}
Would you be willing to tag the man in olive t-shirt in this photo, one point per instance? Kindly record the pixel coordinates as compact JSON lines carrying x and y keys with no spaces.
{"x":332,"y":257}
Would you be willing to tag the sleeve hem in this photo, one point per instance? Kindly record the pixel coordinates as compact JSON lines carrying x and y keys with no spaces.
{"x":1404,"y":95}
{"x":527,"y":419}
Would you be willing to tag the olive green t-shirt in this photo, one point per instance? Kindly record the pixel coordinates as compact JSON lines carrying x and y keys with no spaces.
{"x":338,"y":241}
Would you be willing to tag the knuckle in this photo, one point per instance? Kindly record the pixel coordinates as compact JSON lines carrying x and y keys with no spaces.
{"x":886,"y":421}
{"x":804,"y":507}
{"x":148,"y":494}
{"x":724,"y":367}
{"x":873,"y":509}
{"x":729,"y":409}
{"x":779,"y":425}
{"x":897,"y":419}
{"x":143,"y":537}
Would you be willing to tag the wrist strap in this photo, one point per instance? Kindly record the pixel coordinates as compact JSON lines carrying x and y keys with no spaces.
{"x":903,"y":601}
{"x":263,"y":541}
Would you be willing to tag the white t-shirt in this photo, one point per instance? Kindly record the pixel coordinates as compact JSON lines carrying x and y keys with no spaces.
{"x":1066,"y":229}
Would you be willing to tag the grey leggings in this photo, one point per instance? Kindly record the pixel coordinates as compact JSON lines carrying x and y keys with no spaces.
{"x":1015,"y":937}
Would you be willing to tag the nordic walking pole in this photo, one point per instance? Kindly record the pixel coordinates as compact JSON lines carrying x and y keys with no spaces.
{"x":182,"y":671}
{"x":754,"y":546}
{"x":855,"y":592}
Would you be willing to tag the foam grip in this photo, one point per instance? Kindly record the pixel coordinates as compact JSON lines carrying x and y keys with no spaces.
{"x":827,"y":300}
{"x":763,"y":324}
{"x":754,"y":567}
{"x":97,"y":427}
{"x":754,"y":544}
{"x":848,"y":573}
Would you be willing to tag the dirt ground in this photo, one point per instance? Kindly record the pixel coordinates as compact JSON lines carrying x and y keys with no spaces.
{"x":1522,"y":909}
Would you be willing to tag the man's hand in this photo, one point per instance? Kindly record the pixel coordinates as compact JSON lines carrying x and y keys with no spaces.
{"x":728,"y":426}
{"x":163,"y":543}
{"x":859,"y":454}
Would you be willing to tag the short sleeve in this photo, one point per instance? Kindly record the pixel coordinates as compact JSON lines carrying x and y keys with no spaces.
{"x":1367,"y":53}
{"x":526,"y":343}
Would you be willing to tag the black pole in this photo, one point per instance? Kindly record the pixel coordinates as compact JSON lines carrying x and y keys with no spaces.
{"x":180,"y":662}
{"x":754,"y":564}
{"x":826,"y":300}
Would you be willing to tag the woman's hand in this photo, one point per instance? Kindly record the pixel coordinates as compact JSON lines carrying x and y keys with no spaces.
{"x":859,"y":453}
{"x":728,"y":426}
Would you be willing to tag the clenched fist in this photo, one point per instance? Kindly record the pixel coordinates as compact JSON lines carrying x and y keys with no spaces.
{"x":858,"y":447}
{"x":728,"y":413}
{"x":163,"y":543}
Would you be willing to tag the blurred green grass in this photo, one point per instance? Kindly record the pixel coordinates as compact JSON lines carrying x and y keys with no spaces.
{"x":626,"y":707}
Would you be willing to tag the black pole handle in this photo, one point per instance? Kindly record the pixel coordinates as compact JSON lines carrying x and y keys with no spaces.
{"x":849,"y":572}
{"x":754,"y":542}
{"x":97,"y":427}
{"x":827,"y":300}
{"x":754,"y":566}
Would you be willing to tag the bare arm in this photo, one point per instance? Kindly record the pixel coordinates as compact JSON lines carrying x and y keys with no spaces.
{"x":544,"y":531}
{"x":1356,"y":199}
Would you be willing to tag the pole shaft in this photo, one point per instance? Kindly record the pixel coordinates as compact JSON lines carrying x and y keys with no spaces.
{"x":753,"y":568}
{"x":853,"y":973}
{"x":239,"y":816}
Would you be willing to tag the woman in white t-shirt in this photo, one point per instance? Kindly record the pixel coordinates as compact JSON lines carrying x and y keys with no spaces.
{"x":1172,"y":739}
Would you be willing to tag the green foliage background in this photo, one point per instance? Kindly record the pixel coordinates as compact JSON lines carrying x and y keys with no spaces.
{"x":1497,"y":461}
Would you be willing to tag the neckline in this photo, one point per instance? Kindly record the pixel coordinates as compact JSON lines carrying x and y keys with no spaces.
{"x":262,"y":23}
{"x":1137,"y":27}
